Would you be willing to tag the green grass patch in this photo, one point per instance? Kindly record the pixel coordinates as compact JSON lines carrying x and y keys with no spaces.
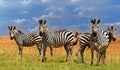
{"x":10,"y":61}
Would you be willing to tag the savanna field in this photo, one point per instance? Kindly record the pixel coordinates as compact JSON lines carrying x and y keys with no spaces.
{"x":9,"y":58}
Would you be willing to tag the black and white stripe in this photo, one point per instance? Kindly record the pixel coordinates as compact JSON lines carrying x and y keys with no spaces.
{"x":84,"y":41}
{"x":56,"y":39}
{"x":25,"y":39}
{"x":99,"y":41}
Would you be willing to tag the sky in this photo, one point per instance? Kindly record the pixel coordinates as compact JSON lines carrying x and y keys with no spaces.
{"x":59,"y":14}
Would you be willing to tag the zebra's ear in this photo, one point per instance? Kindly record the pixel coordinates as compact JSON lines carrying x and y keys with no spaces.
{"x":14,"y":27}
{"x":40,"y":21}
{"x":93,"y":21}
{"x":111,"y":27}
{"x":98,"y":21}
{"x":9,"y":27}
{"x":108,"y":28}
{"x":44,"y":21}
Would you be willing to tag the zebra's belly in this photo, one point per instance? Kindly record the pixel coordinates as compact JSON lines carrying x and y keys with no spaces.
{"x":55,"y":45}
{"x":58,"y":45}
{"x":27,"y":44}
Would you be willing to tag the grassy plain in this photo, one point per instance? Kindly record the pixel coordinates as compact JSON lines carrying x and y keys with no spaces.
{"x":9,"y":58}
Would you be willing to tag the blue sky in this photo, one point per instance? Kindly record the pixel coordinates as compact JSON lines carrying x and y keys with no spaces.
{"x":72,"y":14}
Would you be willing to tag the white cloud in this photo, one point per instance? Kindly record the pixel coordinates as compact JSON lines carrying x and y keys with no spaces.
{"x":55,"y":1}
{"x":52,"y":14}
{"x":73,"y":1}
{"x":4,"y":3}
{"x":26,"y":2}
{"x":49,"y":17}
{"x":18,"y":21}
{"x":24,"y":12}
{"x":86,"y":1}
{"x":114,"y":24}
{"x":55,"y":10}
{"x":43,"y":1}
{"x":88,"y":11}
{"x":35,"y":29}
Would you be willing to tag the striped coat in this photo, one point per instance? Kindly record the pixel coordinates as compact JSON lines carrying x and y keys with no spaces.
{"x":55,"y":39}
{"x":25,"y":39}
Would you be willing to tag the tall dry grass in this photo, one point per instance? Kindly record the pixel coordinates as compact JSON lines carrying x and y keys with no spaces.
{"x":9,"y":58}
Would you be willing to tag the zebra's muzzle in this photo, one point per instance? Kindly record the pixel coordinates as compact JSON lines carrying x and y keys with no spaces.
{"x":40,"y":33}
{"x":11,"y":38}
{"x":94,"y":34}
{"x":114,"y":39}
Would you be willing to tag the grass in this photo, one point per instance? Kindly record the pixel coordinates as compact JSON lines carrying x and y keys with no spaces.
{"x":9,"y":58}
{"x":30,"y":62}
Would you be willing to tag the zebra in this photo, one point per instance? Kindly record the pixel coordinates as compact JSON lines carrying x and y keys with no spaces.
{"x":25,"y":39}
{"x":55,"y":39}
{"x":98,"y":41}
{"x":84,"y":42}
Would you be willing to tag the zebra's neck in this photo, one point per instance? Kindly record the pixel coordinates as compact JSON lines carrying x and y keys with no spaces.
{"x":50,"y":34}
{"x":18,"y":35}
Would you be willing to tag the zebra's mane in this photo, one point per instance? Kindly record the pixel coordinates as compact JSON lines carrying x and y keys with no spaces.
{"x":19,"y":31}
{"x":60,"y":30}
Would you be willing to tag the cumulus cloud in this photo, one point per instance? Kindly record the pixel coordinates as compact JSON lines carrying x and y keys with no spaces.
{"x":24,"y":12}
{"x":55,"y":10}
{"x":4,"y":3}
{"x":78,"y":1}
{"x":54,"y":1}
{"x":26,"y":2}
{"x":35,"y":29}
{"x":52,"y":14}
{"x":49,"y":16}
{"x":18,"y":21}
{"x":114,"y":24}
{"x":88,"y":11}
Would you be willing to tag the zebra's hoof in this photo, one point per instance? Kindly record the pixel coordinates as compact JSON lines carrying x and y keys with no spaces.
{"x":91,"y":64}
{"x":44,"y":59}
{"x":83,"y":62}
{"x":66,"y":60}
{"x":97,"y":64}
{"x":38,"y":59}
{"x":74,"y":60}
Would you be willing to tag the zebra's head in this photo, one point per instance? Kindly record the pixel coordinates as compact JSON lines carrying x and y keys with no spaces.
{"x":112,"y":33}
{"x":13,"y":31}
{"x":95,"y":26}
{"x":43,"y":27}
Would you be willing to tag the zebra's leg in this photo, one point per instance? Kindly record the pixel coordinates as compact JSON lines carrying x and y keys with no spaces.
{"x":101,"y":53}
{"x":51,"y":52}
{"x":104,"y":56}
{"x":44,"y":54}
{"x":70,"y":52}
{"x":92,"y":56}
{"x":76,"y":54}
{"x":67,"y":50}
{"x":40,"y":47}
{"x":20,"y":51}
{"x":82,"y":52}
{"x":98,"y":57}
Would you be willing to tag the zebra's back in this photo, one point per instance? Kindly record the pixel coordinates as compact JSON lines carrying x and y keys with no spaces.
{"x":84,"y":39}
{"x":31,"y":39}
{"x":61,"y":37}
